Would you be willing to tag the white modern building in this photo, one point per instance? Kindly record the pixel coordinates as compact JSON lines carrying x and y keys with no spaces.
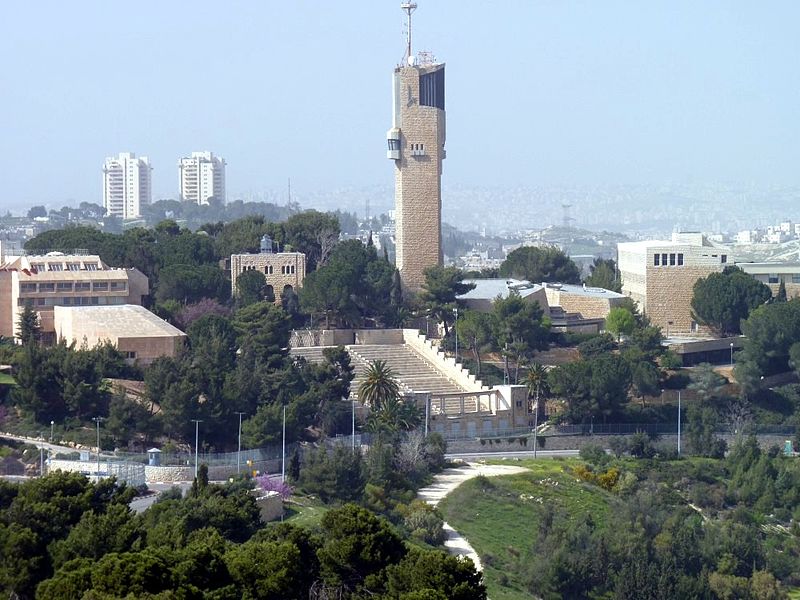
{"x":126,"y":185}
{"x":202,"y":176}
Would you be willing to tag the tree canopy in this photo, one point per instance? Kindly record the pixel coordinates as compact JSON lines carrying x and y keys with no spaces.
{"x":539,"y":265}
{"x":722,"y":300}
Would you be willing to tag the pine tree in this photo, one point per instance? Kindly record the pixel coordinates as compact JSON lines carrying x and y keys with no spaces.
{"x":781,"y":296}
{"x":29,"y":326}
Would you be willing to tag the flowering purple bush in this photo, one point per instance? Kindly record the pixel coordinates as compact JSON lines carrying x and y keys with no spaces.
{"x":273,"y":483}
{"x":204,"y":307}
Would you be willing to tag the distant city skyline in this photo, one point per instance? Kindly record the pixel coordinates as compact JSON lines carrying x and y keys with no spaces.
{"x":538,"y":93}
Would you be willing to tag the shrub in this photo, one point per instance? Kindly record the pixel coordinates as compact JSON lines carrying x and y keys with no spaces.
{"x":273,"y":483}
{"x":594,"y":454}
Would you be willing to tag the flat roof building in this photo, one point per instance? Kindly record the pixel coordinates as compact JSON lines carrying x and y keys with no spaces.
{"x":486,"y":291}
{"x":660,"y":276}
{"x":56,"y":279}
{"x":136,"y":332}
{"x":126,"y":185}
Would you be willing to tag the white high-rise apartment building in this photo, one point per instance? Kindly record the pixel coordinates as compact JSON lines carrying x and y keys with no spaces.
{"x":202,"y":176}
{"x":126,"y":185}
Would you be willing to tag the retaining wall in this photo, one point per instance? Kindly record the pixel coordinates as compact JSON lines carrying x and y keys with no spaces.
{"x":446,"y":365}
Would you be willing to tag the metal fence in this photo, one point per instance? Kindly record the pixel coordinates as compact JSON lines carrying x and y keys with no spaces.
{"x":212,"y":459}
{"x":617,"y":429}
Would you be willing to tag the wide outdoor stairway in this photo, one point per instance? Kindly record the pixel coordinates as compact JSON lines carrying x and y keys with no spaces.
{"x":412,"y":371}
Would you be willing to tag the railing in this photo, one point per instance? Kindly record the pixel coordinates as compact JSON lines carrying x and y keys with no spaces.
{"x":212,"y":459}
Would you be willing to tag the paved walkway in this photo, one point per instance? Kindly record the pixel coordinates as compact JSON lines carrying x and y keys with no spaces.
{"x":446,"y":482}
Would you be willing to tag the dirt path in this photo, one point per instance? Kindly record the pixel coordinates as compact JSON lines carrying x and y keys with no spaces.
{"x":446,"y":482}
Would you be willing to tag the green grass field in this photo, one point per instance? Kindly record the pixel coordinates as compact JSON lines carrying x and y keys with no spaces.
{"x":499,"y":515}
{"x":305,"y":512}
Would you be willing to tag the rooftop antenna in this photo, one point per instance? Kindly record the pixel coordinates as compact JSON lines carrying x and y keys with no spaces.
{"x":409,"y":8}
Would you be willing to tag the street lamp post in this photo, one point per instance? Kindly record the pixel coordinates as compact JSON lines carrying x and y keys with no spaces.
{"x":536,"y":420}
{"x":52,"y":423}
{"x":455,"y":329}
{"x":353,"y":434}
{"x":679,"y":422}
{"x":731,"y":353}
{"x":97,"y":421}
{"x":196,"y":442}
{"x":239,"y":449}
{"x":283,"y":447}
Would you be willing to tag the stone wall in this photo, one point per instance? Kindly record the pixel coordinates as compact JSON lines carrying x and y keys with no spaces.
{"x":669,"y":297}
{"x":165,"y":474}
{"x":270,"y":505}
{"x":365,"y":337}
{"x":576,"y":442}
{"x":589,"y":307}
{"x":446,"y":365}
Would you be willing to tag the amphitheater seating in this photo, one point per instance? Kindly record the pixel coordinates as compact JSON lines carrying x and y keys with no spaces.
{"x":413,"y":372}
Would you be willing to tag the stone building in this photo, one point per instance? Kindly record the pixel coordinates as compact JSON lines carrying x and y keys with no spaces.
{"x":136,"y":332}
{"x":56,"y":279}
{"x":282,"y":270}
{"x":773,"y":273}
{"x":588,"y":302}
{"x":660,"y":276}
{"x":416,"y":145}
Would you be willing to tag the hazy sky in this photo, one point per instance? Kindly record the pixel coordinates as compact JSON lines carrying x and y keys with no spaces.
{"x":538,"y":92}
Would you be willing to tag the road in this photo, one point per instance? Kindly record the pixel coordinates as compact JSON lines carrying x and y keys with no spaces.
{"x":39,"y":443}
{"x":474,"y":456}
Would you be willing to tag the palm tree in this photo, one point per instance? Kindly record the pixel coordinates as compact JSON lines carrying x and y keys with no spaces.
{"x":536,"y":382}
{"x":379,"y":386}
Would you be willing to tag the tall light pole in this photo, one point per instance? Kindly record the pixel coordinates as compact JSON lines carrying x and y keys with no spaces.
{"x":52,"y":423}
{"x":283,"y":447}
{"x":353,"y":435}
{"x":196,"y":442}
{"x":679,"y":422}
{"x":239,"y":450}
{"x":535,"y":420}
{"x":731,"y":353}
{"x":455,"y":329}
{"x":97,"y":421}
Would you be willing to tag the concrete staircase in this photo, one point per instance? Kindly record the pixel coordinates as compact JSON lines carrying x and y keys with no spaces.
{"x":413,"y":372}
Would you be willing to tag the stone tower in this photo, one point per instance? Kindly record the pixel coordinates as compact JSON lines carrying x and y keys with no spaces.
{"x":416,"y":144}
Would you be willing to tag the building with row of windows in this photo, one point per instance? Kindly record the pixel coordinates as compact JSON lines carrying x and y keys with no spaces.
{"x":282,"y":270}
{"x":660,"y":276}
{"x":201,"y":178}
{"x":56,"y":279}
{"x":127,"y":185}
{"x":127,"y":182}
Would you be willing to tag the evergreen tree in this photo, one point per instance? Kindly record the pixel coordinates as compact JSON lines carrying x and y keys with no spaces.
{"x":29,"y":326}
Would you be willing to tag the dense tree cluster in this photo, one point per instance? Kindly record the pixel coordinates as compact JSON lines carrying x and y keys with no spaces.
{"x":599,"y":384}
{"x":354,"y":286}
{"x":603,"y":274}
{"x":548,"y":264}
{"x":62,"y":537}
{"x":722,"y":300}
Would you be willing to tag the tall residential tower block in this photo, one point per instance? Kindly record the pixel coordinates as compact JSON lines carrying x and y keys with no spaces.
{"x":202,"y":177}
{"x":416,"y":145}
{"x":126,"y":185}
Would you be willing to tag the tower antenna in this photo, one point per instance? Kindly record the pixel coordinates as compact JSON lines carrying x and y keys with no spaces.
{"x":409,"y":8}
